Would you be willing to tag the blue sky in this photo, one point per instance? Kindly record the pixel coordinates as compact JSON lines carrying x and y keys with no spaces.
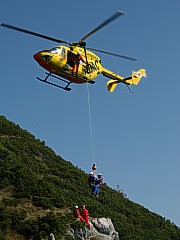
{"x":136,"y":137}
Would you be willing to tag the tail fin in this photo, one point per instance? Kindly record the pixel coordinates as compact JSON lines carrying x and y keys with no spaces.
{"x":133,"y":79}
{"x":136,"y":76}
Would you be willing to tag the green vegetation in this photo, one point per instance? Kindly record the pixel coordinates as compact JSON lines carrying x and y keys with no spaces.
{"x":38,"y":191}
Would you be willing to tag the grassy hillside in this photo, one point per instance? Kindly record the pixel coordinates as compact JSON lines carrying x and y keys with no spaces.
{"x":38,"y":191}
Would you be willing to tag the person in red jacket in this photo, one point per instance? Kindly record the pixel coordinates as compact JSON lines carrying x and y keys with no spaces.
{"x":77,"y":214}
{"x":76,"y":61}
{"x":85,"y":215}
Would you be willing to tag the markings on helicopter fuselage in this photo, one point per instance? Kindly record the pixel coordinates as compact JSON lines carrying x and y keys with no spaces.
{"x":90,"y":67}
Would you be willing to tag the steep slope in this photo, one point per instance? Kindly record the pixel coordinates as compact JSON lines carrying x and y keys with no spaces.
{"x":38,"y":191}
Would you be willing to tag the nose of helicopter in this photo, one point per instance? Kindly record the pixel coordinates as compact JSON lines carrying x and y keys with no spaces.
{"x":42,"y":58}
{"x":37,"y":57}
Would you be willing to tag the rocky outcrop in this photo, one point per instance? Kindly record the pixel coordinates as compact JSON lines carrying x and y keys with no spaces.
{"x":101,"y":229}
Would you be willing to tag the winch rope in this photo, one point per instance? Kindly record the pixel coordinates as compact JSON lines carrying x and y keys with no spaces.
{"x":90,"y":121}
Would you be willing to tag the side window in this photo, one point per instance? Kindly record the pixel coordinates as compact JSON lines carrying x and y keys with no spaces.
{"x":63,"y":52}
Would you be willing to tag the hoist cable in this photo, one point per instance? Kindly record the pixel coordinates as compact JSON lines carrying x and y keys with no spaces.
{"x":90,"y":121}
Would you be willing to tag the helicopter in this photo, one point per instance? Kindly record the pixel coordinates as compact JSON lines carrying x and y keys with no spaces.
{"x":60,"y":61}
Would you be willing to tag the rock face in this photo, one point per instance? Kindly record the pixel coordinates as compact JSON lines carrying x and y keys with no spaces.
{"x":101,"y":229}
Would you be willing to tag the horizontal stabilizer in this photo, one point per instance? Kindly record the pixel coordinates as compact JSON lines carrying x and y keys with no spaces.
{"x":111,"y":85}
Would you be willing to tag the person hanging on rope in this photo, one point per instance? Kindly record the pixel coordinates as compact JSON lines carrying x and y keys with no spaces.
{"x":91,"y":180}
{"x":98,"y":184}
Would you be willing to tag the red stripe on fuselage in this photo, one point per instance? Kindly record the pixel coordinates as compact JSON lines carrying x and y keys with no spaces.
{"x":38,"y":59}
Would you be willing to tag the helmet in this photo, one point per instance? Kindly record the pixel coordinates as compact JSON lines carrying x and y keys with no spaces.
{"x":76,"y":206}
{"x":91,"y":173}
{"x":99,"y":174}
{"x":79,"y":53}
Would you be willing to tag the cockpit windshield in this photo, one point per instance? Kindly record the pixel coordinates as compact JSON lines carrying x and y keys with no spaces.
{"x":61,"y":51}
{"x":55,"y":50}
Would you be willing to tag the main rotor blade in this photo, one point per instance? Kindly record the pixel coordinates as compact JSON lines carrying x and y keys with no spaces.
{"x":32,"y":33}
{"x":113,"y":54}
{"x":112,"y":18}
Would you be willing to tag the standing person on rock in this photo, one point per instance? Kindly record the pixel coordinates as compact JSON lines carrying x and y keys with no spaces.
{"x":85,"y":215}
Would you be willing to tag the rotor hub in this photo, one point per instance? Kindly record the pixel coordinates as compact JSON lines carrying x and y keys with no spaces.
{"x":82,"y":44}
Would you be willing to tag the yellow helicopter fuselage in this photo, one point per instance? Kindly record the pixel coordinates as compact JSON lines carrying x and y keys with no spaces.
{"x":59,"y":61}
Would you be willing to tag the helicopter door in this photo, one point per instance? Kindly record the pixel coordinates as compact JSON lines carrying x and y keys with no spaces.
{"x":70,"y":56}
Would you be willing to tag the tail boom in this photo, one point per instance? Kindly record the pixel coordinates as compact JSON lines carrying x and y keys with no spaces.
{"x":133,"y":79}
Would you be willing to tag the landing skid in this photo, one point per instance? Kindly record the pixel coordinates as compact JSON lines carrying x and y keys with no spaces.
{"x":56,"y":85}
